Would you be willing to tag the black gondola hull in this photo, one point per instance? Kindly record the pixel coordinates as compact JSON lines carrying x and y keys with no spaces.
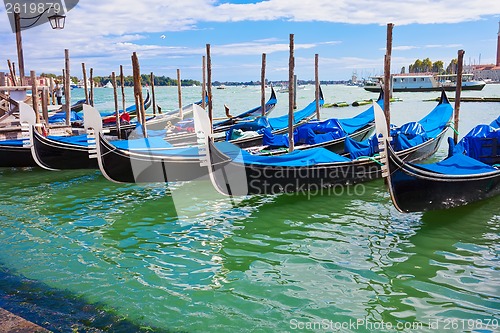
{"x":52,"y":154}
{"x":415,"y":190}
{"x":123,"y":166}
{"x":14,"y":157}
{"x":228,"y":176}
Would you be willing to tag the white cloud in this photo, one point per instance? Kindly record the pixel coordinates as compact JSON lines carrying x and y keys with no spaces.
{"x":442,"y":46}
{"x":106,"y":32}
{"x":359,"y":11}
{"x":404,"y":48}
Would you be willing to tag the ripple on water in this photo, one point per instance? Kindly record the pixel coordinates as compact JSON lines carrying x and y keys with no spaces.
{"x":165,"y":257}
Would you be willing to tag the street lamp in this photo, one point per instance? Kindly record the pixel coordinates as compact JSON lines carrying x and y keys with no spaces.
{"x":56,"y":22}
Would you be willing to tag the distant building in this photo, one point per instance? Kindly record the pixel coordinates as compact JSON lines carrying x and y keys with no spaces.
{"x":489,"y":72}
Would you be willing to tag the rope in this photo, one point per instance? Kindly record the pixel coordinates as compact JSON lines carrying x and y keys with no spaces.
{"x":451,"y":125}
{"x":372,"y":158}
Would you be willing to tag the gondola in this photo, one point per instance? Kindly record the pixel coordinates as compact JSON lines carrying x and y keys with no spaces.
{"x":108,"y":119}
{"x":72,"y":152}
{"x":458,"y":180}
{"x":61,"y":152}
{"x":224,"y":125}
{"x":143,"y":160}
{"x":160,"y":162}
{"x":235,"y":172}
{"x":55,"y":152}
{"x":16,"y":152}
{"x":66,"y":152}
{"x":183,"y":133}
{"x":251,"y":133}
{"x":330,"y":133}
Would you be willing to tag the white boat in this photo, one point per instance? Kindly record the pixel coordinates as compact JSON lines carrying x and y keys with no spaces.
{"x":418,"y":82}
{"x":108,"y":85}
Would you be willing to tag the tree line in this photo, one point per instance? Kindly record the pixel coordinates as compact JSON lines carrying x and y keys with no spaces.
{"x":426,"y":65}
{"x":129,"y":80}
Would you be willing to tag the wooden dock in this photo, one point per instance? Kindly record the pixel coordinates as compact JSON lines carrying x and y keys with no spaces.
{"x":10,"y":323}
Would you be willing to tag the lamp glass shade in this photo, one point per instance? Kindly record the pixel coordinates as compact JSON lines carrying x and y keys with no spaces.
{"x":57,"y":21}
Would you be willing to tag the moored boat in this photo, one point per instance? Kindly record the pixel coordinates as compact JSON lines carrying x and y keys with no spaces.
{"x":471,"y":173}
{"x":422,"y":82}
{"x":143,"y":160}
{"x":235,"y":172}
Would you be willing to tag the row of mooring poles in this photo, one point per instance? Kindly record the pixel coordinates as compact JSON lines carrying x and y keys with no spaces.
{"x":388,"y":84}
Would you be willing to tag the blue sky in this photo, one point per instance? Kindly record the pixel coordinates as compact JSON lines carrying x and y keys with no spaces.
{"x":348,"y":35}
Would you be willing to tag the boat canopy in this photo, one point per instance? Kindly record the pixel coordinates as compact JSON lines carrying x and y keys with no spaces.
{"x":435,"y":122}
{"x":481,"y":143}
{"x":282,"y":121}
{"x":297,"y":158}
{"x":259,"y":124}
{"x":407,"y":135}
{"x":155,"y":142}
{"x":13,"y":142}
{"x":78,"y":140}
{"x":458,"y":165}
{"x":60,"y":117}
{"x":496,"y":123}
{"x":310,"y":133}
{"x":315,"y":132}
{"x":351,"y":125}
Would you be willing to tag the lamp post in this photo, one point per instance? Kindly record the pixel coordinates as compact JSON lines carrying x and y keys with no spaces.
{"x":56,"y":22}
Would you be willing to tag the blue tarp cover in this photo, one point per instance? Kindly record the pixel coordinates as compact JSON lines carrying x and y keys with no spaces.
{"x":143,"y":143}
{"x":458,"y":165}
{"x":281,"y":122}
{"x":356,"y":149}
{"x":257,"y":125}
{"x":481,"y":143}
{"x":13,"y":143}
{"x":351,"y":125}
{"x":274,"y":140}
{"x":406,"y":136}
{"x":437,"y":119}
{"x":294,"y":159}
{"x":274,"y":124}
{"x":187,"y":152}
{"x":310,"y":133}
{"x":60,"y":117}
{"x":495,"y":123}
{"x":79,"y":140}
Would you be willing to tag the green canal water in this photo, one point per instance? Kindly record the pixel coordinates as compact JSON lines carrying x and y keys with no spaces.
{"x":78,"y":252}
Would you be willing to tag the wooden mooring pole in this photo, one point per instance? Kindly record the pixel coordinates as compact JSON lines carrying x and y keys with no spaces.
{"x":263,"y":86}
{"x":85,"y":85}
{"x":291,"y":92}
{"x":458,"y":92}
{"x":153,"y":95}
{"x":117,"y":111}
{"x":209,"y":86}
{"x":12,"y":73}
{"x":179,"y":92}
{"x":316,"y":81}
{"x":204,"y":83}
{"x":122,"y":84}
{"x":139,"y":101}
{"x":91,"y":78}
{"x":34,"y":96}
{"x":67,"y":87}
{"x":387,"y":75}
